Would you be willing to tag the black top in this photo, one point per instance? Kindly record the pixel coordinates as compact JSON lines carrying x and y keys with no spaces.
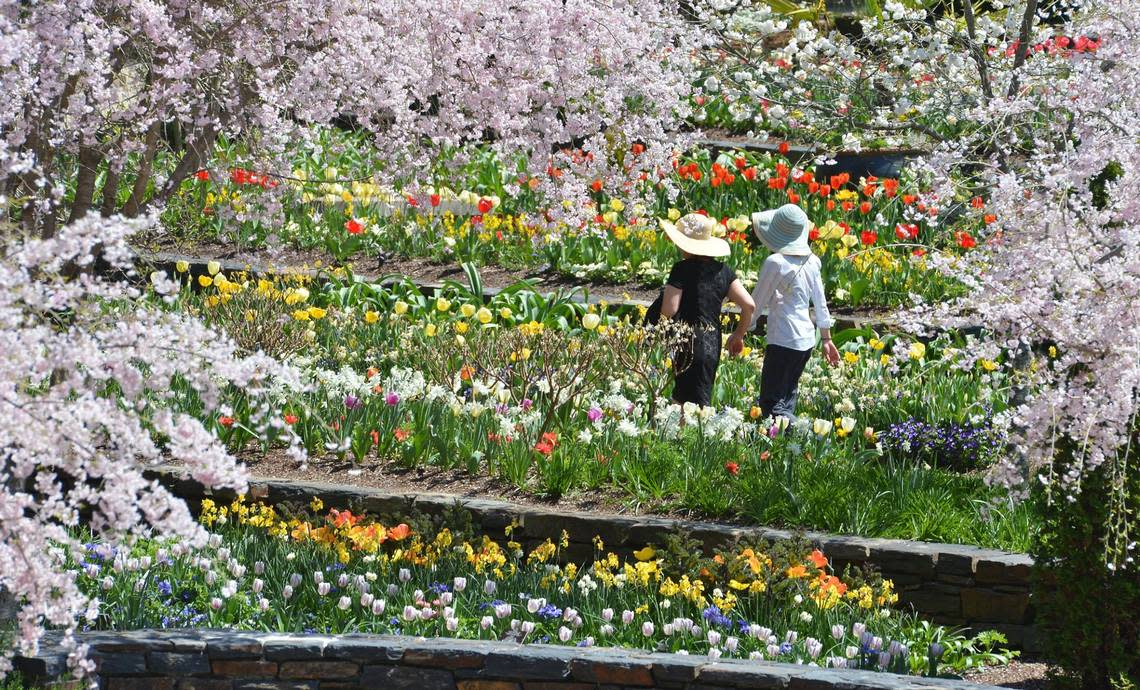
{"x":704,"y":285}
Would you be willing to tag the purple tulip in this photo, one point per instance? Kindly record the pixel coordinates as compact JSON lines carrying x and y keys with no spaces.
{"x":351,"y":402}
{"x":392,"y":399}
{"x":594,"y":414}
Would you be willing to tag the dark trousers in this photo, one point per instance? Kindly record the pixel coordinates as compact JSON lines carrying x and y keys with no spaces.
{"x":780,"y":380}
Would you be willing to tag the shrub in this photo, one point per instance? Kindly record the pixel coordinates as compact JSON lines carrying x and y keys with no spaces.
{"x":1088,"y":605}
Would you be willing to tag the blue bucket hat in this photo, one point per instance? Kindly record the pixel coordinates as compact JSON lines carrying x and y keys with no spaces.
{"x":783,"y":230}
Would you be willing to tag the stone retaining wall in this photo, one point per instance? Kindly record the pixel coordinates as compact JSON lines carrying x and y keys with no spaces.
{"x":947,"y":583}
{"x":227,"y":660}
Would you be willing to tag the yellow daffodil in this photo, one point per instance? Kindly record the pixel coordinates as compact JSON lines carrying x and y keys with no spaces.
{"x":989,"y":365}
{"x":877,"y":344}
{"x":850,"y":357}
{"x":461,"y":327}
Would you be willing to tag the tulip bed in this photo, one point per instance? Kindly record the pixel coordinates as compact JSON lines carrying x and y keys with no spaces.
{"x":878,"y":243}
{"x":287,"y":569}
{"x":522,"y":387}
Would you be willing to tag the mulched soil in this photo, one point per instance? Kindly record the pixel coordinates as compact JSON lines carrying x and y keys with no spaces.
{"x":1025,"y":675}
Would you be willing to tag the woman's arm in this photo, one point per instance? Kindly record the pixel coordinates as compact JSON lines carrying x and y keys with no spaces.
{"x":743,"y":300}
{"x":671,"y":302}
{"x":762,"y":293}
{"x":823,"y":318}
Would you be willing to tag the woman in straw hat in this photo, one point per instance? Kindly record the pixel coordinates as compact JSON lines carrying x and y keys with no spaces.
{"x":694,"y":293}
{"x":790,"y":281}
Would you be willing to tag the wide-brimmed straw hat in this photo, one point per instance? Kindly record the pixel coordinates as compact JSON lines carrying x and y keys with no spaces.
{"x":783,"y":230}
{"x":693,"y":234}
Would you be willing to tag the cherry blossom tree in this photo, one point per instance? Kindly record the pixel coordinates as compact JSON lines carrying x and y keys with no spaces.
{"x":111,"y":104}
{"x":1060,"y":268}
{"x":86,"y":386}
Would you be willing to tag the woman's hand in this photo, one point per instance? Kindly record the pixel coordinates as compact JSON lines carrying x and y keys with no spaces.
{"x":831,"y":352}
{"x":735,"y":344}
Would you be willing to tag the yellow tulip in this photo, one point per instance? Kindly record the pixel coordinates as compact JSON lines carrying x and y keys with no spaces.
{"x":301,"y":315}
{"x":442,"y":304}
{"x":182,"y":266}
{"x":617,"y":205}
{"x":917,"y":351}
{"x":317,"y":313}
{"x":371,"y":317}
{"x":821,"y":427}
{"x":674,"y":214}
{"x":505,"y":313}
{"x":590,"y":321}
{"x":484,"y":315}
{"x":468,"y":310}
{"x":645,"y":554}
{"x":401,"y":307}
{"x":430,"y":330}
{"x":461,"y":327}
{"x":213,"y":267}
{"x":205,"y":281}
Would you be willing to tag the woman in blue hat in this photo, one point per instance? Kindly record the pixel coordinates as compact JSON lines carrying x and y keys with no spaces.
{"x":790,"y":283}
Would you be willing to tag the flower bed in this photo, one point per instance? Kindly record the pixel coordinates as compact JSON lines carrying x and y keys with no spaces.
{"x":522,"y":387}
{"x":874,"y":237}
{"x":948,"y":584}
{"x":284,"y":569}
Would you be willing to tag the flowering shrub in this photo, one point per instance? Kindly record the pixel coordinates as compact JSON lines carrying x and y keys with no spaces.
{"x":79,"y":113}
{"x":346,"y":572}
{"x":97,"y":386}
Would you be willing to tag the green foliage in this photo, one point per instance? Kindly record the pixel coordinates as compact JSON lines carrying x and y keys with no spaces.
{"x":1087,"y":612}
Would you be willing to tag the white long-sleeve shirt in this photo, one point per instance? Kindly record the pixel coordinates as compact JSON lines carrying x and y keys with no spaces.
{"x":785,"y":290}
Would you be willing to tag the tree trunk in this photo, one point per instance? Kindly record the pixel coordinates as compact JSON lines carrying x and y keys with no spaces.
{"x":110,"y":192}
{"x":196,"y":152}
{"x":90,"y":159}
{"x":146,"y":167}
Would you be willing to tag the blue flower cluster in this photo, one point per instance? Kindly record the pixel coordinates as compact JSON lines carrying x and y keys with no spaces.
{"x":955,"y":446}
{"x":713,"y":615}
{"x":550,"y":612}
